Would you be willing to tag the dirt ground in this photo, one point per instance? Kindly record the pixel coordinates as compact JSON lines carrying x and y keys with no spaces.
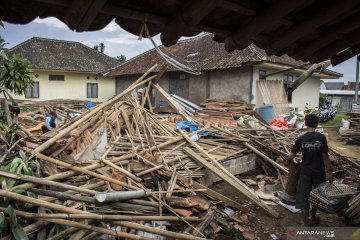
{"x":265,"y":225}
{"x":348,"y":148}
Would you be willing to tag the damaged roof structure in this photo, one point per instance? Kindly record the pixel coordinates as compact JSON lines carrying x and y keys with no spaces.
{"x":305,"y":30}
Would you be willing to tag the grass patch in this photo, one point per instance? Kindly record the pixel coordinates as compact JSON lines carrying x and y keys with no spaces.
{"x":336,"y":120}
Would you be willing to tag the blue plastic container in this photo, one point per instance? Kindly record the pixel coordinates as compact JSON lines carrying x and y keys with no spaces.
{"x":266,"y":112}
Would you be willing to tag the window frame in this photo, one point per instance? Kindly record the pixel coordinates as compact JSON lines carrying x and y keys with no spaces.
{"x":262,"y":77}
{"x":62,"y":77}
{"x":286,"y":77}
{"x":37,"y":83}
{"x":87,"y":90}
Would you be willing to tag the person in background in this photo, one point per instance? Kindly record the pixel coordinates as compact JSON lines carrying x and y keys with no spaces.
{"x":50,"y":122}
{"x":14,"y":108}
{"x":315,"y":158}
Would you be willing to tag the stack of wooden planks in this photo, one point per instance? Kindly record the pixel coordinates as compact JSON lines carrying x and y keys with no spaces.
{"x":225,"y":108}
{"x":354,"y":131}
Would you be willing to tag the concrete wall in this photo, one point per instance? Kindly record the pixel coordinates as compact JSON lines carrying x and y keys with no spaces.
{"x":308,"y":92}
{"x":230,"y":83}
{"x":74,"y":86}
{"x":223,"y":83}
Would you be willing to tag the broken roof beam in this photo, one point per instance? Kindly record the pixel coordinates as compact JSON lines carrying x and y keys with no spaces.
{"x":300,"y":29}
{"x":287,"y":69}
{"x":337,"y":46}
{"x":262,"y":21}
{"x":333,"y":33}
{"x":345,"y":55}
{"x":190,"y":16}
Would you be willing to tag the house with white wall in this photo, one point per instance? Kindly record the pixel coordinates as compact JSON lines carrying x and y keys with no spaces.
{"x":66,"y":70}
{"x":223,"y":74}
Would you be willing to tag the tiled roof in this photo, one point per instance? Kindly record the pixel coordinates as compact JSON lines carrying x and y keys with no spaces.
{"x":54,"y":54}
{"x":334,"y":85}
{"x":208,"y":53}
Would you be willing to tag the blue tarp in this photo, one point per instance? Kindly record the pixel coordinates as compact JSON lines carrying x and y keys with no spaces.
{"x":90,"y":104}
{"x":187,"y":126}
{"x":192,"y":127}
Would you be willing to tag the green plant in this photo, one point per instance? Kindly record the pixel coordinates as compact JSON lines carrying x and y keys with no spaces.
{"x":16,"y":230}
{"x":15,"y":75}
{"x":24,"y":164}
{"x":121,"y":58}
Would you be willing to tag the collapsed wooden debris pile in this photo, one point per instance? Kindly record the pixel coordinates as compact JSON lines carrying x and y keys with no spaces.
{"x":134,"y":185}
{"x":121,"y":170}
{"x":354,"y":129}
{"x":225,"y":108}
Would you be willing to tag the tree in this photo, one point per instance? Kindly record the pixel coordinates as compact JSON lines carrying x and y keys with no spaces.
{"x":15,"y":75}
{"x":102,"y":47}
{"x":96,"y":47}
{"x":121,"y":58}
{"x":2,"y":43}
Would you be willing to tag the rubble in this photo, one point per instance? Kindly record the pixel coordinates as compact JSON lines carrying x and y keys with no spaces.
{"x":119,"y":169}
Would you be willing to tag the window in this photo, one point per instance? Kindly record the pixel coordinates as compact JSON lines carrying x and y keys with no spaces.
{"x":92,"y":90}
{"x":288,"y":82}
{"x":56,"y":77}
{"x":288,"y":79}
{"x":262,"y":74}
{"x":32,"y":91}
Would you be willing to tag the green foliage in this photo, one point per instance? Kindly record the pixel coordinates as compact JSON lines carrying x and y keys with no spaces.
{"x":21,"y":165}
{"x":102,"y":47}
{"x":56,"y":228}
{"x":2,"y":43}
{"x":121,"y":58}
{"x":322,"y":98}
{"x":15,"y":75}
{"x":16,"y":230}
{"x":5,"y":129}
{"x":96,"y":47}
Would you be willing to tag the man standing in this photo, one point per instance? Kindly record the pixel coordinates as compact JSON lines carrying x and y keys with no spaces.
{"x":50,"y":122}
{"x":315,"y":158}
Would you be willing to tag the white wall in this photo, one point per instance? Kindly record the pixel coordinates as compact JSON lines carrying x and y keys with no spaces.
{"x":307,"y":92}
{"x":73,"y":87}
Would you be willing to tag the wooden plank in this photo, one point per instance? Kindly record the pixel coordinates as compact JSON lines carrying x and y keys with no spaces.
{"x":224,"y":175}
{"x":171,"y":101}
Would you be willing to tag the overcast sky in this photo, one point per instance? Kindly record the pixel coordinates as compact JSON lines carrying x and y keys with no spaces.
{"x":117,"y":41}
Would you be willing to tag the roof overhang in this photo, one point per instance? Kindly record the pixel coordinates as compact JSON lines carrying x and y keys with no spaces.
{"x":338,"y":92}
{"x":305,"y":30}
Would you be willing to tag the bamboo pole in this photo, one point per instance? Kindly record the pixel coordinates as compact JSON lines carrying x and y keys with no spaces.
{"x":57,"y":207}
{"x":94,"y":166}
{"x":86,"y":227}
{"x":92,"y":112}
{"x":46,"y":182}
{"x":109,"y":217}
{"x":82,"y":170}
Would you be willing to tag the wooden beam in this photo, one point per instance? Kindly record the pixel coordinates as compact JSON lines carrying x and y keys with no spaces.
{"x":236,"y":8}
{"x":345,"y":55}
{"x":191,"y":15}
{"x":307,"y":26}
{"x":95,"y":110}
{"x":172,"y":102}
{"x":90,"y":15}
{"x":75,"y":12}
{"x":339,"y":45}
{"x":262,"y":21}
{"x":333,"y":33}
{"x":239,"y":186}
{"x":287,"y":70}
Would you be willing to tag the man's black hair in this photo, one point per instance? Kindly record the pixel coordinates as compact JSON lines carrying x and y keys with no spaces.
{"x":53,"y":114}
{"x":311,"y":120}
